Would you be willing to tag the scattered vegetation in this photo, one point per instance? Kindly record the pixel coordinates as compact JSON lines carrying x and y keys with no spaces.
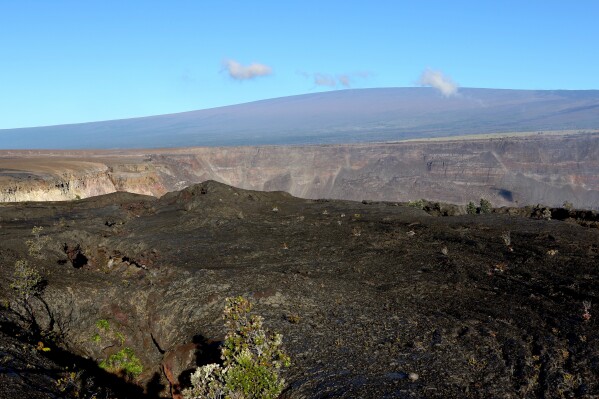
{"x":252,"y":358}
{"x":70,"y":382}
{"x":568,"y":385}
{"x":124,"y":362}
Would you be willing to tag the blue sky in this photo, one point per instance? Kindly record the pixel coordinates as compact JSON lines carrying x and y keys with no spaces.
{"x":77,"y":61}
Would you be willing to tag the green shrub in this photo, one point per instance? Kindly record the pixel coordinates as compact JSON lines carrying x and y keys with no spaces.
{"x":417,"y":204}
{"x":252,"y":358}
{"x":471,"y":208}
{"x":123,"y":362}
{"x":27,"y":281}
{"x":37,"y":243}
{"x":485,"y":206}
{"x":206,"y":383}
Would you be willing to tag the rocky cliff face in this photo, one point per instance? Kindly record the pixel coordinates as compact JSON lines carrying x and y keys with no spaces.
{"x":39,"y":178}
{"x":64,"y":182}
{"x":508,"y":171}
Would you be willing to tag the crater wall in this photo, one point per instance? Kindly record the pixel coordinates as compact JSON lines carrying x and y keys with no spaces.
{"x":509,"y":171}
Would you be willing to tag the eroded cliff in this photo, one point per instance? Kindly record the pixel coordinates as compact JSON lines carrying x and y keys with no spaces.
{"x":508,"y":171}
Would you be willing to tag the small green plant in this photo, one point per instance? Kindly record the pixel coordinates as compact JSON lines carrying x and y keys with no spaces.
{"x":42,"y":347}
{"x":37,"y":243}
{"x":293,"y":318}
{"x":70,"y":382}
{"x":27,"y":283}
{"x":123,"y":362}
{"x":103,"y":325}
{"x":471,"y":208}
{"x":417,"y":203}
{"x":120,"y":337}
{"x":96,"y":338}
{"x":252,"y":358}
{"x":485,"y":206}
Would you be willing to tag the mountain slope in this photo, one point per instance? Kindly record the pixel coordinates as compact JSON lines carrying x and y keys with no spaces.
{"x":365,"y":115}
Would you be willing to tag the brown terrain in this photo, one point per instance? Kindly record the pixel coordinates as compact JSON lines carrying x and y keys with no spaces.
{"x":507,"y":170}
{"x":374,"y":299}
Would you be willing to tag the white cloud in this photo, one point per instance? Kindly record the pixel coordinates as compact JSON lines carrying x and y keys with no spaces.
{"x":439,"y":81}
{"x":245,"y":72}
{"x":321,"y":79}
{"x":343,"y":79}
